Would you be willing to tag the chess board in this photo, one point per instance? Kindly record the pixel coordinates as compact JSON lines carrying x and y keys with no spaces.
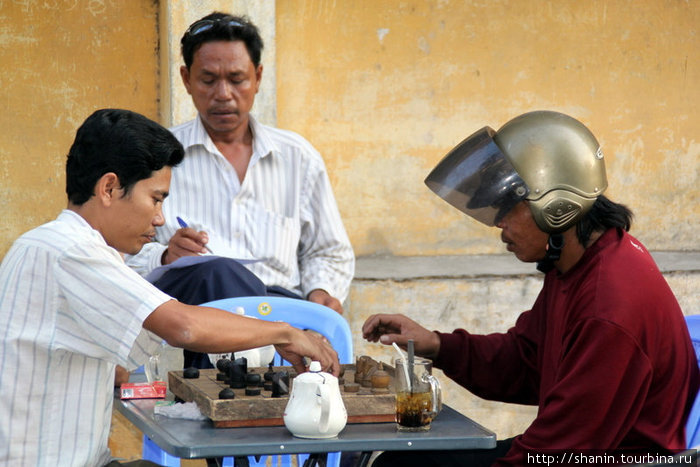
{"x":367,"y":405}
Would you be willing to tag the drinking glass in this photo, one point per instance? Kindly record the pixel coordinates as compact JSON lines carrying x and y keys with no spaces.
{"x":418,"y":395}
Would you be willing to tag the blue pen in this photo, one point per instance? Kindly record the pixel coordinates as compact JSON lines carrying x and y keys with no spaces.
{"x":184,"y":225}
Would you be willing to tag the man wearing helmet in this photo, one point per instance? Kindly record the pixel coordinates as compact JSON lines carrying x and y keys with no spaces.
{"x":604,"y":352}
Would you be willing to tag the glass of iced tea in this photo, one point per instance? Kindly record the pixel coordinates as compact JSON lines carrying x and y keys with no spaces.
{"x":418,"y":395}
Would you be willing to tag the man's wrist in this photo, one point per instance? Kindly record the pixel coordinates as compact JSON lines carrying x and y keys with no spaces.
{"x":316,"y":292}
{"x":320,"y":288}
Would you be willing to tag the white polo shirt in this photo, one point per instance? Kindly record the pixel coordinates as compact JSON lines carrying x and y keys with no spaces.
{"x":70,"y":311}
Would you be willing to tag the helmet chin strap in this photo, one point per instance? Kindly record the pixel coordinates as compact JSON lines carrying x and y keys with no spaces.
{"x":554,"y":247}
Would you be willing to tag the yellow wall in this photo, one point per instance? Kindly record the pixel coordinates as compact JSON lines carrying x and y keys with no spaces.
{"x":61,"y":60}
{"x":385,"y":88}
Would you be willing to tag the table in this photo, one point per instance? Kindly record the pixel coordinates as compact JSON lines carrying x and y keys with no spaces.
{"x":188,"y":439}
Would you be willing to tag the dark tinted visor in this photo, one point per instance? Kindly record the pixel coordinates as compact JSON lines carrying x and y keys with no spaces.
{"x":476,"y":178}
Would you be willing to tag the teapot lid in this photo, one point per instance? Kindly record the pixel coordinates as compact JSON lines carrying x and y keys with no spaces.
{"x":314,"y":375}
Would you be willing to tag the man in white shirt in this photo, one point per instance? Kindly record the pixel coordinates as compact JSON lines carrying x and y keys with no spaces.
{"x":246,"y":191}
{"x":71,"y":310}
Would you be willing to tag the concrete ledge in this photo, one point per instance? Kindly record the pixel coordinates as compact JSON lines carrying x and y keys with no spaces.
{"x":400,"y":268}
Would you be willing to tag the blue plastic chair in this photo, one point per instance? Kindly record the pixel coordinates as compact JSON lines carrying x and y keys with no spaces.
{"x":299,"y":313}
{"x":692,"y":426}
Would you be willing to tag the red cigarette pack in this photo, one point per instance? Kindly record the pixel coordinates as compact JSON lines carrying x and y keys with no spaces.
{"x":156,"y":390}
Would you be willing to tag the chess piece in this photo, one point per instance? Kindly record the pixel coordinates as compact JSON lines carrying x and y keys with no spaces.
{"x":242,"y":361}
{"x":222,"y":365}
{"x":280,"y":384}
{"x":269,"y":373}
{"x":360,"y":367}
{"x":252,"y":391}
{"x":364,"y":367}
{"x":351,"y":387}
{"x":227,"y":393}
{"x":371,"y":368}
{"x":190,"y":373}
{"x":253,"y":380}
{"x":380,"y":380}
{"x":237,"y":371}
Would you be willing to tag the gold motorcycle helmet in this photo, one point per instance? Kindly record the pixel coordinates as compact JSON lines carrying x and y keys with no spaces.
{"x":547,"y":158}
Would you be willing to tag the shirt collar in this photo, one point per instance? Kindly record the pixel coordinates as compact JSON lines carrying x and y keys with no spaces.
{"x":72,"y":218}
{"x":263,"y":145}
{"x":200,"y":136}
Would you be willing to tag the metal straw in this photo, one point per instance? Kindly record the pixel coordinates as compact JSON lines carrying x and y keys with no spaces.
{"x":411,"y":354}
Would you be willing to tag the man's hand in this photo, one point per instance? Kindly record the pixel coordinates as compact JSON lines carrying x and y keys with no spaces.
{"x":388,"y":328}
{"x":322,"y":297}
{"x":312,"y":345}
{"x":121,"y":376}
{"x":185,"y":242}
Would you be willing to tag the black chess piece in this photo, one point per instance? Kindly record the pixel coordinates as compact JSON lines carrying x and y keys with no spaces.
{"x":280,"y":384}
{"x":190,"y":373}
{"x":253,"y":380}
{"x":222,"y":365}
{"x":252,"y":391}
{"x":269,"y":373}
{"x":237,"y":371}
{"x":227,"y":393}
{"x":243,"y":362}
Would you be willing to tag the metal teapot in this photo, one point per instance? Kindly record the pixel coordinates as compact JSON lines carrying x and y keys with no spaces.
{"x":315,"y":408}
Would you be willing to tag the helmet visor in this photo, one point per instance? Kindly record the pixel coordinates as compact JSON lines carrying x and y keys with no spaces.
{"x":476,"y":178}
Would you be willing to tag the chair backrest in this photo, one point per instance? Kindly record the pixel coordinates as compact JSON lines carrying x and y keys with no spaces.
{"x":300,"y":314}
{"x":692,"y":426}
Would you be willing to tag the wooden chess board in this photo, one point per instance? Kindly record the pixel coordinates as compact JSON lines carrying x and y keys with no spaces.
{"x":363,"y":406}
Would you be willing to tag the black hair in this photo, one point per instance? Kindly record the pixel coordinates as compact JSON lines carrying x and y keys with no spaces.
{"x":222,"y":30}
{"x":604,"y":214}
{"x":119,"y":141}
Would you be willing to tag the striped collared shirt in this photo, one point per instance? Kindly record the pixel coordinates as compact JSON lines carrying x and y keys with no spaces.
{"x":70,"y":310}
{"x":283,"y":215}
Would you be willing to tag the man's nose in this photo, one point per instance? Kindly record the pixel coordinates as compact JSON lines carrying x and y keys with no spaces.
{"x":158,"y":219}
{"x":223,"y":91}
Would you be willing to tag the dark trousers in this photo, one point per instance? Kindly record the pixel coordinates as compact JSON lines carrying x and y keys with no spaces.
{"x":137,"y":463}
{"x":213,"y":280}
{"x":469,"y":457}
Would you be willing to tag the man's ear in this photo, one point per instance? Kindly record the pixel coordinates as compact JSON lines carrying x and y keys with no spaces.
{"x":108,"y":188}
{"x":258,"y":77}
{"x":185,"y":75}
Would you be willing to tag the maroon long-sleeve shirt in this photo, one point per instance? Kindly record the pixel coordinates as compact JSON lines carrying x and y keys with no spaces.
{"x":604,"y":353}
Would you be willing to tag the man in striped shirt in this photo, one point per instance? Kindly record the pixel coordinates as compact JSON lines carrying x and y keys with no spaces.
{"x":247,"y":191}
{"x":71,"y":310}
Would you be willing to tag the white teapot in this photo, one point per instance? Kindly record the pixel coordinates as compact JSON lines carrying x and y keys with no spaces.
{"x":315,"y":408}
